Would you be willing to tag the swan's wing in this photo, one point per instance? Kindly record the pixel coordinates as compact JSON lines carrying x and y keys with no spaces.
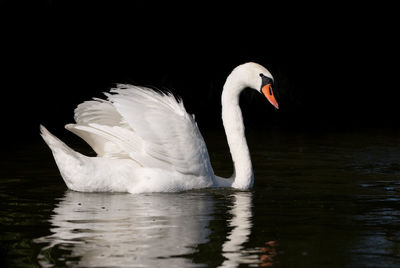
{"x":170,"y":135}
{"x":92,"y":120}
{"x":151,"y":128}
{"x":97,"y":111}
{"x":106,"y":141}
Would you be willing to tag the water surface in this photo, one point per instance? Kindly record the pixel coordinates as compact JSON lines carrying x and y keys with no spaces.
{"x":319,"y":200}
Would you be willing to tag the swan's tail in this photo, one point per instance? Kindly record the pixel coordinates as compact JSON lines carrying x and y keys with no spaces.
{"x":67,"y":160}
{"x":55,"y":144}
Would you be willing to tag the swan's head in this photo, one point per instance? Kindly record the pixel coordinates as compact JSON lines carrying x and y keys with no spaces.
{"x":261,"y":79}
{"x":254,"y":76}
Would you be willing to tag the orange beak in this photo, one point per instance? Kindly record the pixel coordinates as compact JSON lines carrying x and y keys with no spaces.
{"x":267,"y":91}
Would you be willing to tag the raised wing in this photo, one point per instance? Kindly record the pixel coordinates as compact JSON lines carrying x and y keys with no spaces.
{"x":149,"y":127}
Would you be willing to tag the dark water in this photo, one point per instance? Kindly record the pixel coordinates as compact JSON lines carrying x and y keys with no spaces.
{"x":320,"y":200}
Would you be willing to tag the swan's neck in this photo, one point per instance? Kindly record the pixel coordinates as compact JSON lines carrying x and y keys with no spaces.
{"x":233,"y":123}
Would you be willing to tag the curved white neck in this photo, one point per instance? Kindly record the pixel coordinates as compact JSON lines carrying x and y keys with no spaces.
{"x":234,"y":129}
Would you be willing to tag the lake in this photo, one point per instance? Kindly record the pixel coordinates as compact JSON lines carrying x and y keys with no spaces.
{"x":320,"y":199}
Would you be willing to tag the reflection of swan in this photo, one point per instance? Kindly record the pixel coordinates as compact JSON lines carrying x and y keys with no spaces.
{"x":241,"y":224}
{"x":147,"y":142}
{"x":112,"y":230}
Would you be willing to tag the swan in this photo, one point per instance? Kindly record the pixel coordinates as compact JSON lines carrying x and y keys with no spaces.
{"x":146,"y":141}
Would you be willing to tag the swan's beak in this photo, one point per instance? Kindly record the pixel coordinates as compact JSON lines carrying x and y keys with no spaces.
{"x":267,"y":91}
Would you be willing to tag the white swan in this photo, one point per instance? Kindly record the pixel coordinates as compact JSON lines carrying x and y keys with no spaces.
{"x":147,"y":142}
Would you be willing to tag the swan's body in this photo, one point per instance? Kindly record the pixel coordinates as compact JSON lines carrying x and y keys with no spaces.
{"x":147,"y":142}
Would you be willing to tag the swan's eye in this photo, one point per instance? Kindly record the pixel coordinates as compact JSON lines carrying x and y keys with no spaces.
{"x":265,"y":80}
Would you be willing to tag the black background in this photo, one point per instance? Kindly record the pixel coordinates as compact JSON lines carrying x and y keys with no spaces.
{"x":335,"y":65}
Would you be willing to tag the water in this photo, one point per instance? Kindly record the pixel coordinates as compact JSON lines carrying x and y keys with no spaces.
{"x":320,"y":200}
